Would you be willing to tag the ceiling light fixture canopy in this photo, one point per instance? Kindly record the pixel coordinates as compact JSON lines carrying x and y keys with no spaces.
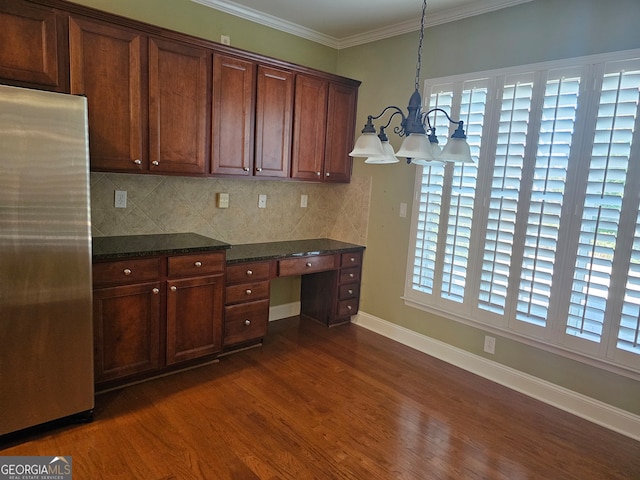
{"x":420,"y":146}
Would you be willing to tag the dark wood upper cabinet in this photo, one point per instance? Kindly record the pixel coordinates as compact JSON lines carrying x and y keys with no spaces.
{"x":274,"y":115}
{"x":106,"y":66}
{"x":232,"y":116}
{"x":341,"y":122}
{"x":178,"y":107}
{"x":309,"y":128}
{"x":33,"y":46}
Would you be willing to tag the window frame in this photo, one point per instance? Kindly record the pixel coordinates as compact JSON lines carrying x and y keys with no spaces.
{"x":553,"y":338}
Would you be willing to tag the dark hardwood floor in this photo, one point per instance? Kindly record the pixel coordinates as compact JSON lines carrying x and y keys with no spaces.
{"x":340,"y":403}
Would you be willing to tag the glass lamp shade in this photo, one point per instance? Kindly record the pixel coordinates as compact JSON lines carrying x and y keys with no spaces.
{"x":456,"y":150}
{"x":367,"y":145}
{"x":388,"y":157}
{"x":416,"y":147}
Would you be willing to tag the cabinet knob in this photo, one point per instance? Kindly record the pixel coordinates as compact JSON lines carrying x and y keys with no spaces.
{"x":317,"y":174}
{"x":246,"y":169}
{"x":127,"y":271}
{"x":309,"y":264}
{"x":156,"y":291}
{"x":350,"y":292}
{"x":155,"y":163}
{"x":198,"y":264}
{"x":248,"y":291}
{"x":173,"y":288}
{"x":247,"y":322}
{"x":249,"y":272}
{"x":137,"y":161}
{"x":349,"y":307}
{"x":328,"y":174}
{"x":352,"y":259}
{"x":258,"y":169}
{"x":351,"y":275}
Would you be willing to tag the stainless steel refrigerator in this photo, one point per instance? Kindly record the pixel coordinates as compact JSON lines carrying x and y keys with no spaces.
{"x":46,"y":340}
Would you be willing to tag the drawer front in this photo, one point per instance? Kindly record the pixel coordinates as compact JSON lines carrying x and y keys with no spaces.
{"x":351,"y":259}
{"x":126,"y":271}
{"x":349,"y":291}
{"x":245,"y":322}
{"x":197,"y":264}
{"x":247,"y":272}
{"x":247,"y":292}
{"x":350,"y":275}
{"x":304,"y":265}
{"x":347,"y":307}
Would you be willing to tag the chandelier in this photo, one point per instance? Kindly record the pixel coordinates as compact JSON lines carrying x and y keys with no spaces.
{"x":420,"y":147}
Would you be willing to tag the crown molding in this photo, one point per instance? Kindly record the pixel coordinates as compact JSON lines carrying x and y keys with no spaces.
{"x":437,"y":18}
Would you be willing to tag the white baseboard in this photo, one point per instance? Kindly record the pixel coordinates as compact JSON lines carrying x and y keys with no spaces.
{"x":284,"y":311}
{"x":577,"y":404}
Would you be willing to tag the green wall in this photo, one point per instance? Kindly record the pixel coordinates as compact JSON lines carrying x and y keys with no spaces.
{"x":537,"y":31}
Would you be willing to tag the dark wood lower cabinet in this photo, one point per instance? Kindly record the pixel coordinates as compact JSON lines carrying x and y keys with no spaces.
{"x":126,"y":330}
{"x":194,"y":313}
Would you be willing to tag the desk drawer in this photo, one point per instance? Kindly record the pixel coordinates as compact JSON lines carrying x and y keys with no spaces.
{"x":126,"y":271}
{"x":196,"y":264}
{"x":351,"y":259}
{"x":304,"y":265}
{"x":349,"y":291}
{"x":347,"y":307}
{"x":350,"y":275}
{"x":245,"y":322}
{"x":247,"y":292}
{"x":247,"y":272}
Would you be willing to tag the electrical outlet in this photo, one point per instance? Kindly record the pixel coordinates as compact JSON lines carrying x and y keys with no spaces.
{"x":303,"y":201}
{"x":403,"y":210}
{"x":489,"y":344}
{"x":120,"y":199}
{"x":262,"y":201}
{"x":225,"y":39}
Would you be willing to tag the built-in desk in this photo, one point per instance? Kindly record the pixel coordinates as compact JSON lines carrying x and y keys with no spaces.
{"x":169,"y":301}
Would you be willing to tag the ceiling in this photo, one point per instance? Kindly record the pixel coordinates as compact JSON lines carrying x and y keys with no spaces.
{"x":345,"y":23}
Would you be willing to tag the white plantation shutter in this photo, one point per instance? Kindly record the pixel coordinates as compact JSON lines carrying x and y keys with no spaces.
{"x":555,"y":137}
{"x":604,"y":194}
{"x":553,"y":196}
{"x":513,"y":125}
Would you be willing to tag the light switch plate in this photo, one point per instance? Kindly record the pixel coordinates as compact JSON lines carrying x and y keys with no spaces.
{"x":262,"y":201}
{"x":303,"y":201}
{"x":120,"y":200}
{"x":222,"y":200}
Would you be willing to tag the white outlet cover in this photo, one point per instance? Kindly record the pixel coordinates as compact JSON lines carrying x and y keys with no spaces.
{"x":120,"y":200}
{"x":262,"y":201}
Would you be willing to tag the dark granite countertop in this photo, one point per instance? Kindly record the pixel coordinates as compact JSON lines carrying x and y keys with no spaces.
{"x":291,"y":248}
{"x":112,"y":248}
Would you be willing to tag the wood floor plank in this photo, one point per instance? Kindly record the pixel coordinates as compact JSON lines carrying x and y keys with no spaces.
{"x":339,"y":403}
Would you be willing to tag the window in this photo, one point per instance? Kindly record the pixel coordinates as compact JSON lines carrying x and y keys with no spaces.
{"x":540,"y":237}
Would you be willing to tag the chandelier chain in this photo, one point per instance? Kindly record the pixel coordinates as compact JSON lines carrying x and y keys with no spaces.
{"x":419,"y":62}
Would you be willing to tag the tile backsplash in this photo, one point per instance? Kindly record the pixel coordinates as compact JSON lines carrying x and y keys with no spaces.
{"x":165,"y":204}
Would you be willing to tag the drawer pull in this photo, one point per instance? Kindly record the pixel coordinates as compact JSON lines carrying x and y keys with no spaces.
{"x":173,"y":288}
{"x":350,"y":291}
{"x":247,"y":322}
{"x":351,"y":275}
{"x":249,"y":272}
{"x":352,"y":259}
{"x":198,"y":264}
{"x":137,"y":161}
{"x":155,"y":163}
{"x":308,"y":264}
{"x":127,"y":271}
{"x":156,"y":291}
{"x":246,"y":169}
{"x":349,"y":307}
{"x":328,"y":174}
{"x":248,"y":291}
{"x":258,"y":169}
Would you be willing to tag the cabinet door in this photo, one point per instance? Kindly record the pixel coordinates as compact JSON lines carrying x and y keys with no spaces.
{"x":341,"y":118}
{"x":178,"y":107}
{"x":309,"y":128}
{"x":32,"y":49}
{"x":232,"y":116}
{"x":273,"y":122}
{"x":106,"y":66}
{"x":126,"y":330}
{"x":194,"y":317}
